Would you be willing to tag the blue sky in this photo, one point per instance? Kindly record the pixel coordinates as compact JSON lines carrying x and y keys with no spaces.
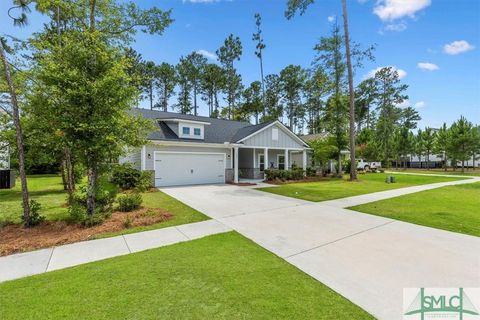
{"x":443,"y":36}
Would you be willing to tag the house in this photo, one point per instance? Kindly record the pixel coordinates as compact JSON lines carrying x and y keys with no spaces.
{"x":187,"y":149}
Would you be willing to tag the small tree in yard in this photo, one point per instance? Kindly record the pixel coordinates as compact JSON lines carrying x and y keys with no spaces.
{"x":462,"y":140}
{"x":90,"y":68}
{"x":442,"y":144}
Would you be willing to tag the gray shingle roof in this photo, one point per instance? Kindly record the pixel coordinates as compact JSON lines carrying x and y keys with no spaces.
{"x":219,"y":130}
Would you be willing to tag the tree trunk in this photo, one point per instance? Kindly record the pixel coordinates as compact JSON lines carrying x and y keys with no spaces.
{"x":195,"y":100}
{"x":19,"y":137}
{"x":64,"y":178}
{"x":340,"y":169}
{"x":463,"y":166}
{"x":263,"y":85}
{"x":69,"y":173}
{"x":353,"y":167}
{"x":91,"y":188}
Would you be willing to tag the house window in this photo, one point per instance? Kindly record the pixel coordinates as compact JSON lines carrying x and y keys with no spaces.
{"x":275,"y":134}
{"x":261,"y":162}
{"x":186,"y":130}
{"x":196,"y":131}
{"x":281,"y":162}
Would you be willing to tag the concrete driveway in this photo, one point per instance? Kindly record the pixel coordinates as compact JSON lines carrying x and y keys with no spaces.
{"x":367,"y":259}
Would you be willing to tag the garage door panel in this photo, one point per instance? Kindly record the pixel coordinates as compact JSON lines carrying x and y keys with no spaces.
{"x":189,"y":168}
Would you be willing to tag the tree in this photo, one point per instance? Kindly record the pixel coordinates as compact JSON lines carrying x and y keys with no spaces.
{"x":364,"y":98}
{"x":419,"y":148}
{"x":197,"y":64}
{"x":442,"y":144}
{"x":273,"y":98}
{"x":257,"y":36}
{"x":428,"y":139}
{"x":292,"y":80}
{"x":227,"y":54}
{"x":148,"y":74}
{"x":475,"y":144}
{"x":323,"y":150}
{"x":183,"y":70}
{"x":15,"y":114}
{"x":213,"y":81}
{"x":390,"y":95}
{"x":405,"y":142}
{"x":165,"y":83}
{"x":336,"y":122}
{"x":462,"y":140}
{"x":253,"y":100}
{"x":316,"y":87}
{"x":97,"y":90}
{"x":301,"y":5}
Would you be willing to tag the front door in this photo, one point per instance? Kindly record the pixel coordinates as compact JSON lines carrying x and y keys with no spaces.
{"x":261,"y":162}
{"x":281,"y":162}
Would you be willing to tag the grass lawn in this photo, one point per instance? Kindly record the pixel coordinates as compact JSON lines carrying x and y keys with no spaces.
{"x":224,"y":276}
{"x":458,"y":172}
{"x":453,"y":208}
{"x":335,"y":188}
{"x":48,"y":191}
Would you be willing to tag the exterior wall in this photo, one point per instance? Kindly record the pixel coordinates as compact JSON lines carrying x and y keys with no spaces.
{"x":151,"y":148}
{"x":134,"y":157}
{"x":264,"y":139}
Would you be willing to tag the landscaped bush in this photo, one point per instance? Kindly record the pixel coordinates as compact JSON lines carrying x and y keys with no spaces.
{"x":105,"y":196}
{"x":129,"y":202}
{"x":127,"y":177}
{"x":311,"y":172}
{"x":283,"y":175}
{"x":35,"y":216}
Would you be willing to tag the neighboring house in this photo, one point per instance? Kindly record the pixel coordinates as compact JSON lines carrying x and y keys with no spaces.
{"x":187,"y":149}
{"x":4,"y":157}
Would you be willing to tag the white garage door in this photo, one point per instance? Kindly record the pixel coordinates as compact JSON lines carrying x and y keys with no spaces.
{"x":178,"y":168}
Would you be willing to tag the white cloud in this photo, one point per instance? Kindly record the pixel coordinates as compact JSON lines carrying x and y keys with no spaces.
{"x":420,"y":104}
{"x":207,"y":54}
{"x":427,"y":66}
{"x":457,"y":47}
{"x":404,"y":104}
{"x":331,"y":18}
{"x":388,"y":10}
{"x":401,"y":73}
{"x":398,"y":27}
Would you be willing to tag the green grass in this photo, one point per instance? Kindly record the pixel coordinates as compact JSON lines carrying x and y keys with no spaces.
{"x":335,"y":188}
{"x":48,"y":191}
{"x":458,"y":172}
{"x":453,"y":208}
{"x":224,"y":276}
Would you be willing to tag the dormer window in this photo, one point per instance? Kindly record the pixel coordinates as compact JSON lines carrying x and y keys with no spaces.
{"x":186,"y":131}
{"x":197,"y":132}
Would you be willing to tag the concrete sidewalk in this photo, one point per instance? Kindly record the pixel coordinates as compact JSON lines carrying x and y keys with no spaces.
{"x":40,"y":261}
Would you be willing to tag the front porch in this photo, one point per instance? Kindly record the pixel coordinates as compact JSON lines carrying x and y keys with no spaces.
{"x":251,"y":162}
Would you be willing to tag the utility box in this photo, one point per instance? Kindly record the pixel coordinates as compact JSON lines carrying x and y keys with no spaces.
{"x":7,"y":179}
{"x":390,"y":179}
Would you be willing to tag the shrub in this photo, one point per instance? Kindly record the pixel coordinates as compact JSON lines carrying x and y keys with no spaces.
{"x":283,"y":175}
{"x":311,"y":172}
{"x":129,"y":202}
{"x":105,"y":196}
{"x":127,"y":223}
{"x":127,"y":177}
{"x":35,"y":216}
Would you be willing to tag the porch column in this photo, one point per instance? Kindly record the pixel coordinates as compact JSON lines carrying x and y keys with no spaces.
{"x":304,"y":161}
{"x":235,"y":164}
{"x":265,"y":156}
{"x":287,"y":164}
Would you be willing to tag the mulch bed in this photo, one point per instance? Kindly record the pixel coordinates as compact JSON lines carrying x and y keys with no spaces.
{"x":309,"y":179}
{"x":15,"y":238}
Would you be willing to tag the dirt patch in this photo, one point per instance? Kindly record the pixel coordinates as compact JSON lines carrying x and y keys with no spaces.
{"x":15,"y":238}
